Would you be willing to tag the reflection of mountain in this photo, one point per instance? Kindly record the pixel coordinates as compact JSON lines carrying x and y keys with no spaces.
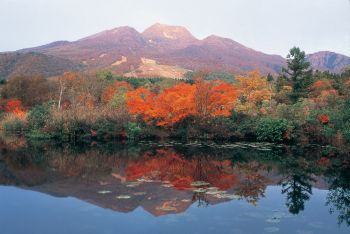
{"x":161,"y":181}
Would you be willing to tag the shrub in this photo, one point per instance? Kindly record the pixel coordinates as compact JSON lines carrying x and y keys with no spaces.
{"x":328,"y":132}
{"x":133,"y":131}
{"x":38,"y":117}
{"x":346,"y":134}
{"x":13,"y":123}
{"x":272,"y":130}
{"x":38,"y":135}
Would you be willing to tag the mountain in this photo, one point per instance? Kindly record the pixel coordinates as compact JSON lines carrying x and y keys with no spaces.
{"x":222,"y":54}
{"x":32,"y":64}
{"x":167,"y":38}
{"x":45,"y":47}
{"x":325,"y":60}
{"x":161,"y":50}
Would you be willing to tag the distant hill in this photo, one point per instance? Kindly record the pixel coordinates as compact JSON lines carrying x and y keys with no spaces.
{"x":330,"y":61}
{"x":32,"y":63}
{"x":158,"y":51}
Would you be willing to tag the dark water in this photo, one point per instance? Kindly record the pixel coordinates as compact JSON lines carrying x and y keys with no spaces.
{"x":172,"y":188}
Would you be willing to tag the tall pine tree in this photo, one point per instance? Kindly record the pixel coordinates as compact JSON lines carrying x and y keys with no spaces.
{"x":298,"y":72}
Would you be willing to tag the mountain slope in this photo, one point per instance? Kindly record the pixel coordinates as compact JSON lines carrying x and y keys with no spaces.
{"x":325,"y":60}
{"x":221,"y":54}
{"x":32,"y":64}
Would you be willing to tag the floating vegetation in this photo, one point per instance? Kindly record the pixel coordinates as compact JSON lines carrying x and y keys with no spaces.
{"x":228,"y":196}
{"x":214,"y":192}
{"x":167,"y":208}
{"x":199,"y":183}
{"x":142,"y":180}
{"x":264,"y":149}
{"x":271,"y":229}
{"x":212,"y":189}
{"x":132,"y":184}
{"x":200,"y":190}
{"x":123,"y":197}
{"x":278,"y":214}
{"x":139,"y":193}
{"x":186,"y":200}
{"x":273,"y":220}
{"x":104,"y":192}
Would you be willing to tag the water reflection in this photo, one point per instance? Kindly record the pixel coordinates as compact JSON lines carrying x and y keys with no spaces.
{"x":167,"y":178}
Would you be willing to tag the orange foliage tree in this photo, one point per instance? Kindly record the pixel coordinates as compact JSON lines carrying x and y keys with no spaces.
{"x":214,"y":98}
{"x":201,"y":99}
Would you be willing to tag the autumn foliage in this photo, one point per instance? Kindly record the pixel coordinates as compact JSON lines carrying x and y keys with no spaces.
{"x":324,"y":119}
{"x":254,"y":87}
{"x":201,"y":99}
{"x":14,"y":106}
{"x":111,"y":90}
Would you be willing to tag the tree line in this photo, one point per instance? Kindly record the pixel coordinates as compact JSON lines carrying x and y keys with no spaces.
{"x":298,"y":105}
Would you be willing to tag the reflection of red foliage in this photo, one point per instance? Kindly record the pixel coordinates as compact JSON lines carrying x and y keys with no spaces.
{"x":182,"y":183}
{"x":166,"y":165}
{"x":324,"y":119}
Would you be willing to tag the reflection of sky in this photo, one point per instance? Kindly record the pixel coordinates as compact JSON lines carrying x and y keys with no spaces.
{"x":23,"y":212}
{"x":272,"y":26}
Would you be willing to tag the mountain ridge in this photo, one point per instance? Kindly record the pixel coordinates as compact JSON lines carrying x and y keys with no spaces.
{"x":124,"y":50}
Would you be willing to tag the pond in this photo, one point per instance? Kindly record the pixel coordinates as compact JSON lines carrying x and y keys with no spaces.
{"x":172,"y":187}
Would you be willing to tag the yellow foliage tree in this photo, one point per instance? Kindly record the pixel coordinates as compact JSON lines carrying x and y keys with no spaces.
{"x":254,"y":90}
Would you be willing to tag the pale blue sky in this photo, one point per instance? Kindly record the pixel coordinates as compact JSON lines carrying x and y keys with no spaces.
{"x":271,"y":26}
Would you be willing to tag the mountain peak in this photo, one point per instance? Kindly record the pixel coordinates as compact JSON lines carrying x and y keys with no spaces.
{"x":222,"y":42}
{"x":327,"y":60}
{"x":123,"y":30}
{"x":160,"y":31}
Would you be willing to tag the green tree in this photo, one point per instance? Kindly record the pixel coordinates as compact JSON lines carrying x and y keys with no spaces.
{"x":269,"y":78}
{"x":272,"y":130}
{"x":298,"y":71}
{"x":38,"y":116}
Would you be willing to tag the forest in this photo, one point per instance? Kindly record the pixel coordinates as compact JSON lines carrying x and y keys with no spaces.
{"x":298,"y":105}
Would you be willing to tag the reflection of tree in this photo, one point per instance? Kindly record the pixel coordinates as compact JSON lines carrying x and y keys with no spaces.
{"x":339,"y":192}
{"x":340,"y":199}
{"x":298,"y":190}
{"x":253,"y":184}
{"x":201,"y":199}
{"x":297,"y":185}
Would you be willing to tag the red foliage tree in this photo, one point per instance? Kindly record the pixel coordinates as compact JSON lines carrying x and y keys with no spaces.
{"x":324,"y":119}
{"x":14,"y":106}
{"x":202,"y":99}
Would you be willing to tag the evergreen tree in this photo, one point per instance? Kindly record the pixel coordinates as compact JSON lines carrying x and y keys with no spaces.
{"x":298,"y":71}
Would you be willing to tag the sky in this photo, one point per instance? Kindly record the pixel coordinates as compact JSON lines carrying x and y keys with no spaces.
{"x":270,"y":26}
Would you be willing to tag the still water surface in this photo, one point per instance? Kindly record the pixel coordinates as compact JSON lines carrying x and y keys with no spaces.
{"x":172,"y":187}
